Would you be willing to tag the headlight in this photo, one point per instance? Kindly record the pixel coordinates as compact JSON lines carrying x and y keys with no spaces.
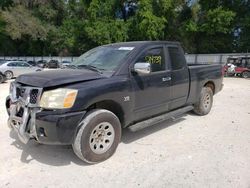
{"x":58,"y":98}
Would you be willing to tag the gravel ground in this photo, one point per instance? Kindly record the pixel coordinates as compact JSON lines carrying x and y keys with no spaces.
{"x":193,"y":151}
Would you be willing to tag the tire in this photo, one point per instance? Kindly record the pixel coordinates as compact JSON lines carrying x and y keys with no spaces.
{"x":1,"y":79}
{"x":97,"y":137}
{"x":205,"y":103}
{"x":8,"y":74}
{"x":246,"y":74}
{"x":230,"y":74}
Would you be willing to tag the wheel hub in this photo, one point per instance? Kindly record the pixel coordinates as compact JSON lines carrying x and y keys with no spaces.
{"x":102,"y":138}
{"x":207,"y":101}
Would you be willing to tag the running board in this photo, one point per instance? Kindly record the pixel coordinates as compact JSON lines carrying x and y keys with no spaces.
{"x":170,"y":115}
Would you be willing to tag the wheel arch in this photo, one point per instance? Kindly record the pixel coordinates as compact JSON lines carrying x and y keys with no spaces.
{"x":110,"y":105}
{"x":211,"y":85}
{"x":8,"y":71}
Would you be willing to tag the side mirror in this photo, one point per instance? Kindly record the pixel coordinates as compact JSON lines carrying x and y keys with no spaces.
{"x":142,"y":68}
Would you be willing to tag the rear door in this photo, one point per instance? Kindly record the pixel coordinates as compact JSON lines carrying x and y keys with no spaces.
{"x":152,"y":91}
{"x":179,"y":77}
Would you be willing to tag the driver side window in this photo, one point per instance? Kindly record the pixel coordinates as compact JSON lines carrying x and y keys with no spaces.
{"x":155,"y":57}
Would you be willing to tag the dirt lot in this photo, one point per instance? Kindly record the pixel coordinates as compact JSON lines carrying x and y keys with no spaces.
{"x":193,"y":151}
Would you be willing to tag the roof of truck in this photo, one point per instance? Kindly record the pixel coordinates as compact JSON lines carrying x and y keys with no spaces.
{"x":142,"y":43}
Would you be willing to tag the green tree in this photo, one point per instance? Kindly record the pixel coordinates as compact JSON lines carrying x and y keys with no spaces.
{"x":146,"y":25}
{"x":43,"y":27}
{"x":208,"y":30}
{"x":4,"y":4}
{"x":20,"y":23}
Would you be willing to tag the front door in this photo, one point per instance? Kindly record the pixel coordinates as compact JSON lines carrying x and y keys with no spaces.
{"x":22,"y":68}
{"x":152,"y":92}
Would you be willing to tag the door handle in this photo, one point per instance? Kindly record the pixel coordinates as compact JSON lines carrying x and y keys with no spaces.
{"x":165,"y":79}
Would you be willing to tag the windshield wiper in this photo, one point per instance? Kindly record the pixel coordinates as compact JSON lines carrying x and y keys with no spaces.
{"x":91,"y":67}
{"x":71,"y":66}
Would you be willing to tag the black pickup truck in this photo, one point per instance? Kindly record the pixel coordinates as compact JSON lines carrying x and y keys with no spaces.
{"x":108,"y":88}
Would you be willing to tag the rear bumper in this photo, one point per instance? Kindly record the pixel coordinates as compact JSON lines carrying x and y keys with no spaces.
{"x":45,"y":127}
{"x":218,"y":85}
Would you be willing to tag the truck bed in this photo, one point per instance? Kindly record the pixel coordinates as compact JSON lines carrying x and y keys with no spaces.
{"x":200,"y":74}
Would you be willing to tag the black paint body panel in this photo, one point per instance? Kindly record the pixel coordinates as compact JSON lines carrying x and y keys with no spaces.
{"x":57,"y":77}
{"x":57,"y":129}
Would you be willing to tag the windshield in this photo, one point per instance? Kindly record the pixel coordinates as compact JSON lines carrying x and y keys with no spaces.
{"x":102,"y":58}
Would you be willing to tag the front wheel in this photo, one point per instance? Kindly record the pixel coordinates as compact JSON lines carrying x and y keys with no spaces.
{"x":9,"y":75}
{"x":98,"y":136}
{"x":246,"y":74}
{"x":204,"y":105}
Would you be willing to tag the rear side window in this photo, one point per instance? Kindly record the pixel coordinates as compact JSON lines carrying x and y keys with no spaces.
{"x":176,"y":58}
{"x":22,"y":64}
{"x":11,"y":64}
{"x":155,"y":57}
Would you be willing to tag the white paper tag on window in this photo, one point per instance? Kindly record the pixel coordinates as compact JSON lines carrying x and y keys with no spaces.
{"x":126,"y":48}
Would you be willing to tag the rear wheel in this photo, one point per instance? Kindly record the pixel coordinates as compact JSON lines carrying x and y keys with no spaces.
{"x":246,"y":74}
{"x":1,"y":78}
{"x":204,"y":105}
{"x":8,"y":74}
{"x":98,"y":136}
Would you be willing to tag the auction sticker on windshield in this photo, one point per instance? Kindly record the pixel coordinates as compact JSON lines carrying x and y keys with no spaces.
{"x":126,"y":48}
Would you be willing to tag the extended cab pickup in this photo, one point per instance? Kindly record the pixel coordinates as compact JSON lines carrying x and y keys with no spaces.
{"x":108,"y":88}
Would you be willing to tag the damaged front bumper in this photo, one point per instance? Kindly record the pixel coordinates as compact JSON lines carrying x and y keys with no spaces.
{"x":32,"y":122}
{"x":22,"y":120}
{"x":46,"y":127}
{"x":22,"y":105}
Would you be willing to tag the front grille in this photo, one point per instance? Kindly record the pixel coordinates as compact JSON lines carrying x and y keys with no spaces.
{"x":33,"y":96}
{"x":20,"y":92}
{"x":29,"y":95}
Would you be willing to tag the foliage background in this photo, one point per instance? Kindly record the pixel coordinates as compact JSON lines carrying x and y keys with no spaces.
{"x":60,"y":27}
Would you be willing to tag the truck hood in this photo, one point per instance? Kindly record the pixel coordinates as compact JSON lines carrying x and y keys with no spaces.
{"x":57,"y":77}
